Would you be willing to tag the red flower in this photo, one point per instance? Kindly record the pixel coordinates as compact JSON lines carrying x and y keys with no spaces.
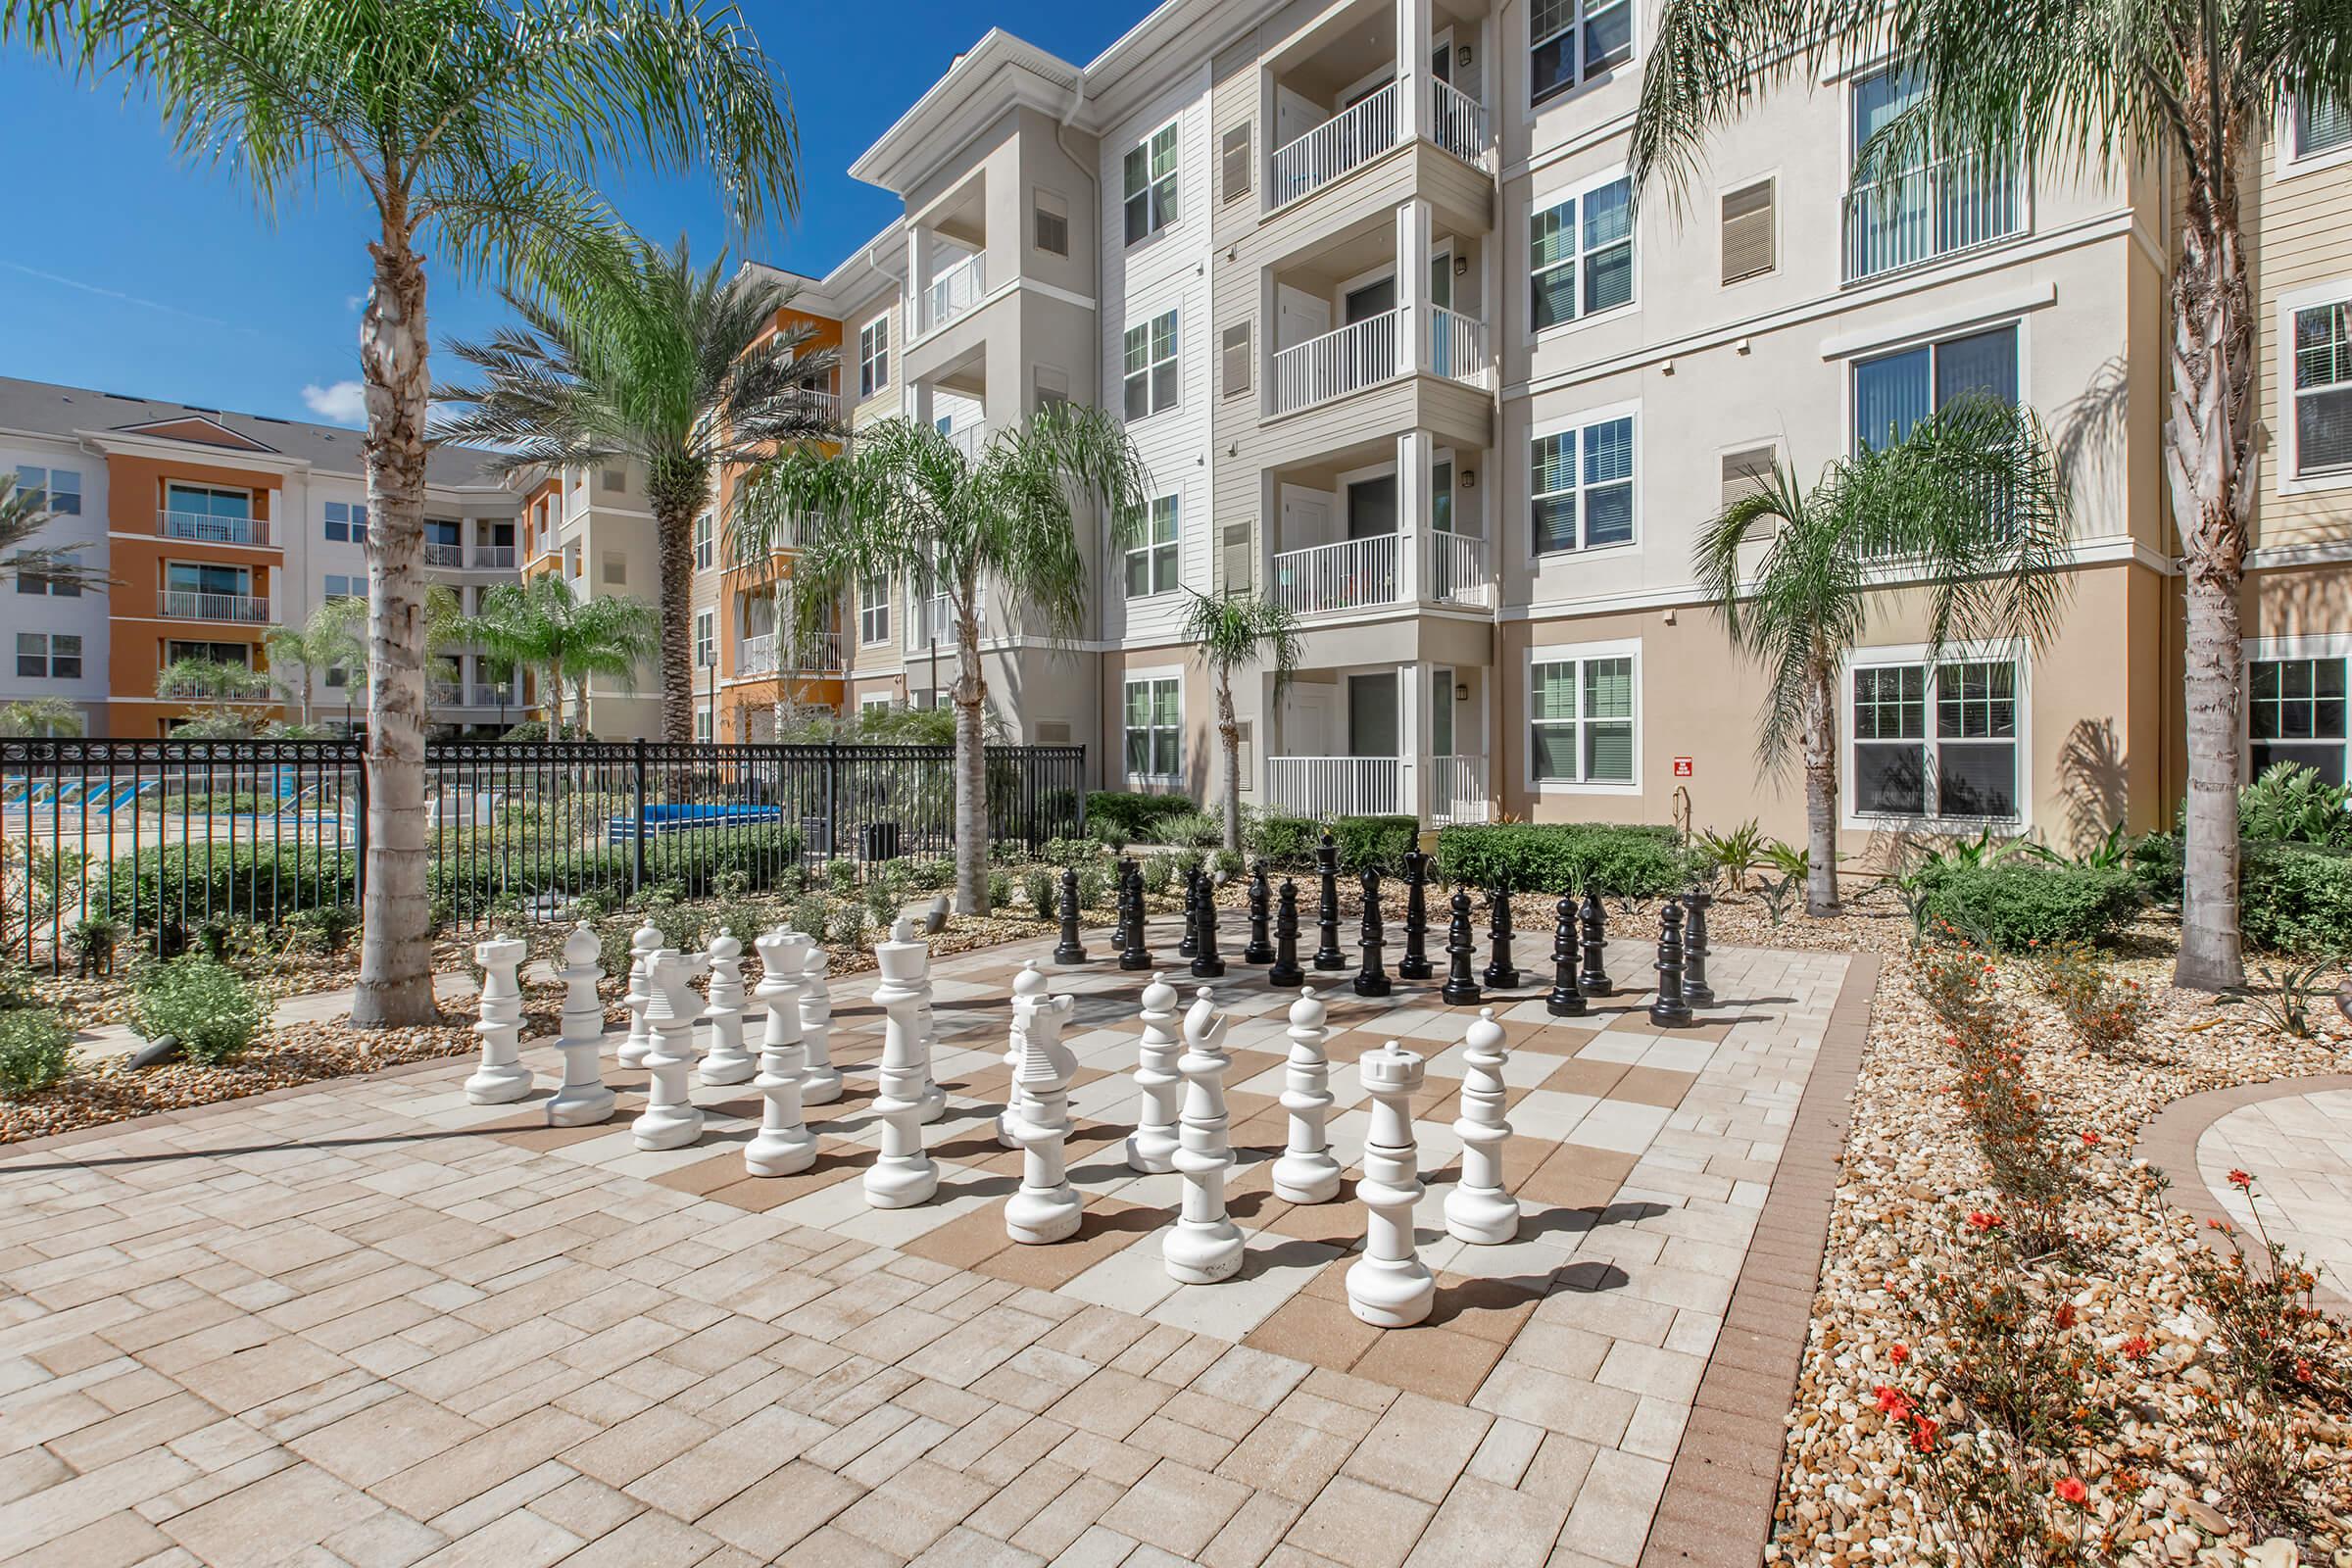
{"x":2137,"y":1347}
{"x":2066,"y":1314}
{"x":2091,"y":1140}
{"x":1900,"y":1354}
{"x":2241,"y":1180}
{"x":2302,"y":1369}
{"x":2073,"y":1491}
{"x":1923,"y":1433}
{"x":1892,"y":1401}
{"x":1979,"y":1220}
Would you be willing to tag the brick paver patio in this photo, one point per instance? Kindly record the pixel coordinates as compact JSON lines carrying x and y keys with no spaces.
{"x":369,"y":1323}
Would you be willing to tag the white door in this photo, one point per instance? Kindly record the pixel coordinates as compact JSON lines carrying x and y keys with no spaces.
{"x":1299,"y":317}
{"x":1308,"y":709}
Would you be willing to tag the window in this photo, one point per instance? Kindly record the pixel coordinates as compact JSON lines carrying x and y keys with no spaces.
{"x":1896,"y":391}
{"x":1155,"y":729}
{"x":1051,"y":230}
{"x":1583,"y":473}
{"x":1235,"y":358}
{"x":238,"y":653}
{"x":1581,"y":264}
{"x":1964,"y":767}
{"x":1747,"y":239}
{"x":1746,"y":471}
{"x":616,"y":480}
{"x":38,"y":583}
{"x":873,"y":357}
{"x":2296,"y":714}
{"x":1233,"y":156}
{"x":57,"y":490}
{"x":2324,"y":389}
{"x":48,"y":655}
{"x":702,"y":724}
{"x":338,"y":587}
{"x":1573,"y":41}
{"x":2322,"y":126}
{"x":706,"y":639}
{"x":1053,"y":387}
{"x":1581,"y":720}
{"x":1151,"y":184}
{"x":345,"y":522}
{"x":874,"y":702}
{"x":873,"y":610}
{"x":706,"y":542}
{"x":617,"y":568}
{"x":1152,"y":564}
{"x":1151,"y":385}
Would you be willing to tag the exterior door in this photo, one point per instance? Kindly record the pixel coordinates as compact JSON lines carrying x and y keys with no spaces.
{"x":1373,"y":728}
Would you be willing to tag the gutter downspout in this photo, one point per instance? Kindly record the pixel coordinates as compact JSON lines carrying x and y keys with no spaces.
{"x":1094,"y":187}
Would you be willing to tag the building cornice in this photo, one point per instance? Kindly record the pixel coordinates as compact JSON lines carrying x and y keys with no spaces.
{"x":999,"y":73}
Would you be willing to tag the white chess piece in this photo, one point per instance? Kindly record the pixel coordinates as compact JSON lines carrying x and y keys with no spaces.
{"x":582,"y":1099}
{"x":727,"y":1062}
{"x":1151,"y":1147}
{"x":1028,"y":988}
{"x":1205,"y":1245}
{"x":1478,"y":1210}
{"x":933,"y":1099}
{"x":671,"y":1119}
{"x":644,"y":942}
{"x":1389,"y":1287}
{"x":502,"y":1077}
{"x":784,"y":1145}
{"x":1307,"y":1173}
{"x":903,"y":1174}
{"x":1046,"y":1207}
{"x":821,"y":1083}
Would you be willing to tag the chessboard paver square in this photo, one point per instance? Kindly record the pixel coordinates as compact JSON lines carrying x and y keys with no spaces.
{"x":1313,"y":1327}
{"x":1648,"y":1085}
{"x":1437,"y":1362}
{"x":1526,"y":1071}
{"x":1273,"y":1268}
{"x":1549,"y":1115}
{"x":1621,"y":1125}
{"x":1106,"y":1227}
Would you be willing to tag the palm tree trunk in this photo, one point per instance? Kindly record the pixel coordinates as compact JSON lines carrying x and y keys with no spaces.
{"x":395,"y":979}
{"x":1228,"y":731}
{"x":674,"y":508}
{"x":971,"y":764}
{"x":579,"y":709}
{"x":1821,"y":792}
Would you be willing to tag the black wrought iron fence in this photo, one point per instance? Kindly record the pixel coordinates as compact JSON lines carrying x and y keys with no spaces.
{"x":150,"y":841}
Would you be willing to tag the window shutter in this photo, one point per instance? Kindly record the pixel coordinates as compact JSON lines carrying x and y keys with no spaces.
{"x":1747,"y":231}
{"x":1052,"y":732}
{"x":1236,"y":558}
{"x":1052,"y":223}
{"x":1245,"y":750}
{"x":1746,"y":470}
{"x":1235,"y":372}
{"x":1235,"y":150}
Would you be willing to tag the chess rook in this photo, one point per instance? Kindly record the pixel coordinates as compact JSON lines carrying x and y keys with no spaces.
{"x":1414,"y":964}
{"x":1306,"y":1172}
{"x":820,"y":1080}
{"x":1261,"y":897}
{"x":903,"y":1174}
{"x":644,"y":942}
{"x":1565,"y":1000}
{"x":1151,"y":1147}
{"x":1046,"y":1208}
{"x":1205,"y":1245}
{"x":1478,"y":1210}
{"x":727,"y":1062}
{"x":784,"y":1144}
{"x":1389,"y":1287}
{"x":1668,"y":1008}
{"x":1696,"y":989}
{"x":1372,"y":979}
{"x":1327,"y":913}
{"x":1593,"y":924}
{"x":1285,"y":972}
{"x":1069,"y":949}
{"x":1460,"y":989}
{"x":582,"y":1099}
{"x":502,"y":1077}
{"x":671,"y":1119}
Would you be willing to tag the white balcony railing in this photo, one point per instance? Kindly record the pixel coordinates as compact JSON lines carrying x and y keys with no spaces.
{"x":444,"y":694}
{"x":1457,"y":570}
{"x":1357,"y":356}
{"x":1458,"y":125}
{"x":933,"y":620}
{"x":205,"y":528}
{"x":1325,"y":787}
{"x":1355,"y":136}
{"x":1353,"y":575}
{"x":955,"y":291}
{"x":1457,"y":346}
{"x":443,"y":555}
{"x":819,"y":654}
{"x":494,"y":558}
{"x":1458,"y":789}
{"x":1954,"y":205}
{"x":177,"y":604}
{"x":970,"y":439}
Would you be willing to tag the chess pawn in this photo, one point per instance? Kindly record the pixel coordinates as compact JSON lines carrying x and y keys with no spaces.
{"x":1151,"y":1147}
{"x":1046,"y":1207}
{"x":1389,"y":1287}
{"x":1593,"y":929}
{"x":903,"y":1174}
{"x":784,"y":1144}
{"x":1305,"y":1173}
{"x":671,"y":1119}
{"x":1478,"y":1210}
{"x":1135,"y":952}
{"x":1261,"y":898}
{"x":583,"y":1101}
{"x":1461,"y":985}
{"x":1372,"y":980}
{"x":1502,"y":972}
{"x":1414,"y":965}
{"x":1668,"y":1009}
{"x":727,"y":1062}
{"x":1285,"y":972}
{"x":1069,"y":949}
{"x":644,"y":942}
{"x":820,"y":1080}
{"x":1186,"y":943}
{"x":1207,"y":962}
{"x":1565,"y":1000}
{"x":1696,"y":989}
{"x":1327,"y":917}
{"x":502,"y":1077}
{"x":1028,"y":989}
{"x":1205,"y":1245}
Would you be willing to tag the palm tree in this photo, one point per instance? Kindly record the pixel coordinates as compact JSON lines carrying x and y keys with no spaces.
{"x":1968,"y":502}
{"x":650,"y":361}
{"x":40,"y":717}
{"x":329,"y":640}
{"x":2098,"y":88}
{"x":540,"y":626}
{"x":920,"y":507}
{"x":1235,"y":632}
{"x":471,"y":126}
{"x":219,"y":689}
{"x":23,"y":514}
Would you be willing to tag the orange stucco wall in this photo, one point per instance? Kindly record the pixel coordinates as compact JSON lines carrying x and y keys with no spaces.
{"x":137,"y":632}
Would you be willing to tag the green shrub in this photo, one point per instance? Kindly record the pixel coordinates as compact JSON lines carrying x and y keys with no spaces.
{"x":35,"y":1050}
{"x":841,"y":875}
{"x":1131,"y":812}
{"x":2156,"y":866}
{"x":1227,"y":864}
{"x":1374,"y":843}
{"x":930,"y":876}
{"x":850,"y":925}
{"x":1157,"y":873}
{"x":1041,"y":887}
{"x":1200,"y":830}
{"x":209,"y":1007}
{"x":1622,"y":860}
{"x":1078,"y":853}
{"x":811,"y":912}
{"x":2296,"y":898}
{"x":322,"y":928}
{"x":2290,"y":804}
{"x":999,"y":889}
{"x":881,"y":903}
{"x":2016,"y":903}
{"x":1285,"y":843}
{"x":1093,"y":888}
{"x":190,"y":883}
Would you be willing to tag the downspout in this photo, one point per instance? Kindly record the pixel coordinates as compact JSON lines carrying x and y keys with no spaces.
{"x":1094,"y":187}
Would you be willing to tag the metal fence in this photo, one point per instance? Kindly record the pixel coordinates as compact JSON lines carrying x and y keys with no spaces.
{"x":160,"y":838}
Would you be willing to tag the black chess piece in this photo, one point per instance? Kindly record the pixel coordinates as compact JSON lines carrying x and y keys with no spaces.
{"x":1414,"y":965}
{"x":1286,"y":975}
{"x":1206,"y":964}
{"x":1668,"y":1009}
{"x":1135,"y":952}
{"x":1327,"y":918}
{"x":1372,"y":980}
{"x":1502,"y":974}
{"x":1070,"y":950}
{"x":1262,"y":947}
{"x":1593,"y":923}
{"x":1696,"y":989}
{"x":1461,"y":985}
{"x":1565,"y":1000}
{"x":1187,"y":944}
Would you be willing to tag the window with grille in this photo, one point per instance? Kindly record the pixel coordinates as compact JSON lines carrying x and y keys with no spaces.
{"x":48,"y":655}
{"x":1152,"y":565}
{"x":1574,"y":40}
{"x":1581,"y":720}
{"x":2323,"y":352}
{"x":1234,"y":163}
{"x":1155,"y":729}
{"x":1581,"y":255}
{"x":2296,"y":713}
{"x":706,"y":542}
{"x":1935,"y":740}
{"x":1151,"y":384}
{"x":1747,"y":241}
{"x":2322,"y":126}
{"x":1149,"y":181}
{"x":873,"y":357}
{"x":52,"y":490}
{"x":1580,"y":486}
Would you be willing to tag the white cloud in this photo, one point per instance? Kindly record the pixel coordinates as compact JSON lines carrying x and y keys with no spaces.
{"x":344,"y":403}
{"x":352,"y":302}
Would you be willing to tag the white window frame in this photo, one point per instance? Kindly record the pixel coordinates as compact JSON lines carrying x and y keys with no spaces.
{"x":1156,"y":552}
{"x":873,"y":612}
{"x":1853,"y":818}
{"x":704,"y":726}
{"x":41,"y":585}
{"x":706,"y":542}
{"x":49,"y":656}
{"x":2336,"y":291}
{"x":2321,"y":645}
{"x":873,"y":357}
{"x":706,"y":639}
{"x":1162,"y":213}
{"x":1584,"y":76}
{"x":2292,"y":165}
{"x":353,"y":522}
{"x":1171,"y":674}
{"x":1577,"y":192}
{"x":1174,"y":316}
{"x":47,"y":488}
{"x":872,"y":702}
{"x":1579,"y":424}
{"x":1579,"y":655}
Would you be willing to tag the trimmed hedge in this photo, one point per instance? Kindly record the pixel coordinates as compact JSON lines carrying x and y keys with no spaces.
{"x":1131,"y":812}
{"x":1375,"y":843}
{"x":255,"y":881}
{"x":1623,"y":860}
{"x":2295,"y":897}
{"x":2016,"y":903}
{"x":1285,"y":843}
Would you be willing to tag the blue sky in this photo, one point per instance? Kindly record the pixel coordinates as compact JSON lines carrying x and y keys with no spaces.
{"x":130,"y":271}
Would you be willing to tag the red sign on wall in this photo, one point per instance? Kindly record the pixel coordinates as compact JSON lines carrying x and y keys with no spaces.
{"x":1682,"y":768}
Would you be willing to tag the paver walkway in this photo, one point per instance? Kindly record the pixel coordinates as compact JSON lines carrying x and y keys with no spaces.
{"x":2299,"y":1148}
{"x":369,"y":1323}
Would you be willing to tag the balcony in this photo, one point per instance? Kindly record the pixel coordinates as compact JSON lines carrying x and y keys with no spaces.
{"x":1459,"y":573}
{"x":1325,"y":787}
{"x":969,"y":439}
{"x":200,"y":528}
{"x":819,"y":655}
{"x":1457,"y":346}
{"x":493,"y":697}
{"x":441,"y":555}
{"x":1458,"y":123}
{"x":444,"y":694}
{"x":1364,"y":353}
{"x":1923,"y":215}
{"x":1348,"y":140}
{"x":1458,"y":789}
{"x":493,"y":558}
{"x":955,"y":291}
{"x":1351,"y":575}
{"x":245,"y":609}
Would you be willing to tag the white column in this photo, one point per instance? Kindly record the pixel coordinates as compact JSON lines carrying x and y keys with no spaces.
{"x":1412,"y":739}
{"x":1412,"y":512}
{"x":1413,"y":244}
{"x":919,"y":284}
{"x":1412,"y":70}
